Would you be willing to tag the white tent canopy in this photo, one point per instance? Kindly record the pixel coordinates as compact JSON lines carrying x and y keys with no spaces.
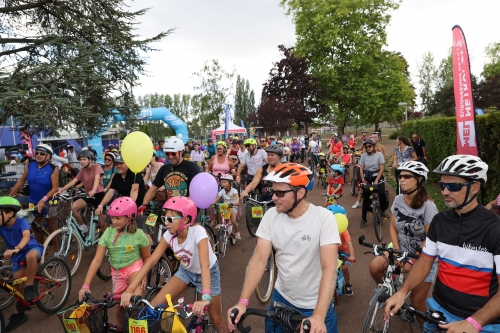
{"x":232,"y":129}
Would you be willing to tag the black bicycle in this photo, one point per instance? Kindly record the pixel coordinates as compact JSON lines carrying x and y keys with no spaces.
{"x":378,"y":219}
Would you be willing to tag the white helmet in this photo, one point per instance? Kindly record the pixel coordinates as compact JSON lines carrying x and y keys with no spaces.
{"x":227,"y":176}
{"x":464,"y":166}
{"x":173,"y":145}
{"x":46,"y":148}
{"x":415,"y":167}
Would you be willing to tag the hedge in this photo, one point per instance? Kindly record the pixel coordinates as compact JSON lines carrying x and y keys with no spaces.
{"x":440,"y":135}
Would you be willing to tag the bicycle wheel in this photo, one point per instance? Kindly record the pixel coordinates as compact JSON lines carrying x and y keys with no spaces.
{"x":222,"y":241}
{"x":53,"y":281}
{"x":2,"y":323}
{"x":5,"y":298}
{"x":374,"y":320}
{"x":353,"y":186}
{"x":252,"y":223}
{"x":377,"y":221}
{"x":160,"y":274}
{"x":211,"y":237}
{"x":152,"y":293}
{"x":265,"y":287}
{"x":69,"y":249}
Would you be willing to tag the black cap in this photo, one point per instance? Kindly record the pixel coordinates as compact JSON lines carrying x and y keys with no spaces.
{"x":119,"y":159}
{"x":210,"y":140}
{"x":234,"y":141}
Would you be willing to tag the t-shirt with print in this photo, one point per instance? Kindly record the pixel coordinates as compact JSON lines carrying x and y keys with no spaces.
{"x":405,"y":155}
{"x":131,"y":244}
{"x":255,"y":161}
{"x":176,"y":178}
{"x":410,"y":223}
{"x":229,"y":198}
{"x":334,"y":183}
{"x":123,"y":186}
{"x":315,"y":146}
{"x":13,"y":234}
{"x":297,"y":242}
{"x":187,"y":253}
{"x":87,"y":177}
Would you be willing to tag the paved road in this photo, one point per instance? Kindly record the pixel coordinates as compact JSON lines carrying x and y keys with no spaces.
{"x":351,"y":311}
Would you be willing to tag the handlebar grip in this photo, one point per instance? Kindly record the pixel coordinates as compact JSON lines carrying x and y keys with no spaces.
{"x":135,"y":298}
{"x":306,"y":326}
{"x":88,"y":296}
{"x":361,"y":241}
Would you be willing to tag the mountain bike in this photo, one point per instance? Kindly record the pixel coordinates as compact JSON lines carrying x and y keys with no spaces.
{"x":374,"y":320}
{"x":378,"y":219}
{"x":254,"y":212}
{"x":225,"y":228}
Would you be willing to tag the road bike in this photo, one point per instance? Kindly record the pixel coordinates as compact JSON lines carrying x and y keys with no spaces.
{"x":430,"y":316}
{"x":378,"y":219}
{"x":225,"y":228}
{"x":52,"y":283}
{"x":289,"y":318}
{"x":254,"y":210}
{"x":393,"y":280}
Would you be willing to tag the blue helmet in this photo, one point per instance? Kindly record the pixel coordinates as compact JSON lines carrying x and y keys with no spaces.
{"x":337,"y":209}
{"x":337,"y":167}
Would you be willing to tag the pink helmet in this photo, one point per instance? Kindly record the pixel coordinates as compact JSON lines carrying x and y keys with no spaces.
{"x":184,"y":205}
{"x":123,"y":206}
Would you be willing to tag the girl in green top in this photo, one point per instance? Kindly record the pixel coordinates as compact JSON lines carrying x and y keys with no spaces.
{"x":126,"y":245}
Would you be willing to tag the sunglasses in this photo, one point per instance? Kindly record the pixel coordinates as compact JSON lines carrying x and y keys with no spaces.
{"x":405,"y":176}
{"x":262,"y":140}
{"x":108,"y":159}
{"x":170,"y":219}
{"x":281,"y":194}
{"x":41,"y":153}
{"x":368,"y":147}
{"x":171,"y":154}
{"x":220,"y":148}
{"x":452,"y":187}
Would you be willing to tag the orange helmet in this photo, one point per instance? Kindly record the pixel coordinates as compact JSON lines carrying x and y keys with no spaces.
{"x":290,"y":173}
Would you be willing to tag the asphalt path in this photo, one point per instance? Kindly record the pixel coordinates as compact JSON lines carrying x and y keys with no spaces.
{"x":351,"y":311}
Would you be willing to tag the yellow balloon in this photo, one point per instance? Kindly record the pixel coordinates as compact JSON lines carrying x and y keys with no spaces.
{"x":342,"y":222}
{"x":136,"y":151}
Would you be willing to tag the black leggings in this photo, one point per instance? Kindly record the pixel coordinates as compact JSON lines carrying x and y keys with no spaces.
{"x":367,"y":202}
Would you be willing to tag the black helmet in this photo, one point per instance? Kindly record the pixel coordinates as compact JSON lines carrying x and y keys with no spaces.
{"x":369,"y":141}
{"x":275,"y":149}
{"x":87,"y":154}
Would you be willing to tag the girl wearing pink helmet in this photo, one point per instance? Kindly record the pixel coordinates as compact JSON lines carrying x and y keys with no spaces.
{"x":199,"y":265}
{"x":126,"y":245}
{"x":230,"y":196}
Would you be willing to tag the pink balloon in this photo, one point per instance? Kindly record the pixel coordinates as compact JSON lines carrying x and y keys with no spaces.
{"x":203,"y":190}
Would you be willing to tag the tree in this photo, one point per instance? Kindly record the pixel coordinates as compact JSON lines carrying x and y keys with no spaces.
{"x":215,"y":88}
{"x":291,"y":96}
{"x":492,"y":66}
{"x":488,"y":92}
{"x":427,"y":74}
{"x":62,"y":62}
{"x":244,"y":100}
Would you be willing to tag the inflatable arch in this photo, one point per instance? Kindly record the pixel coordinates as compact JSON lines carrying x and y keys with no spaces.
{"x":164,"y":114}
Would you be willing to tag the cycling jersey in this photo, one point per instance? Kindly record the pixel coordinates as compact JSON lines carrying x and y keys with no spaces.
{"x":468,"y":252}
{"x":39,"y":180}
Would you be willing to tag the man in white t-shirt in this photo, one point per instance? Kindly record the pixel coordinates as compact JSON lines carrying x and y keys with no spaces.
{"x":253,"y":158}
{"x":305,"y":238}
{"x":313,"y":149}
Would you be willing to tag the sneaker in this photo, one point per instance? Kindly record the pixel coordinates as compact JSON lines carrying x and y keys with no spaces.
{"x":385,"y":215}
{"x":362,"y":224}
{"x":30,"y":293}
{"x":83,"y":228}
{"x":16,"y":319}
{"x":237,"y":236}
{"x":356,"y":205}
{"x":348,"y":289}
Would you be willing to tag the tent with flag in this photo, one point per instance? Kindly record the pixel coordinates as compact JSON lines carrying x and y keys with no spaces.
{"x":231,"y":129}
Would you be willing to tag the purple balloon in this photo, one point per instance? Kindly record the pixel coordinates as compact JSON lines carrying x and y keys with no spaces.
{"x":203,"y":190}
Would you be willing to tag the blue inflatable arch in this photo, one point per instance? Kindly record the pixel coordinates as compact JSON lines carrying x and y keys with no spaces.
{"x":163,"y":114}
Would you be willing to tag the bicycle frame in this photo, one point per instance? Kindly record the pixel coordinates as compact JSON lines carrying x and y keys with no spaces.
{"x":86,"y":242}
{"x":8,"y":286}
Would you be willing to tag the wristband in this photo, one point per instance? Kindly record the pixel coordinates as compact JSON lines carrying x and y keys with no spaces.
{"x":206,"y":291}
{"x":94,"y":189}
{"x":85,"y":286}
{"x":475,"y":324}
{"x":45,"y":198}
{"x":244,"y":301}
{"x":206,"y":297}
{"x":100,"y":206}
{"x":411,"y":262}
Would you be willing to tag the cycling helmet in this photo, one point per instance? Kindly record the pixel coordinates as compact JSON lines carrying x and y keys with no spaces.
{"x":369,"y":141}
{"x":87,"y":154}
{"x":227,"y":176}
{"x":45,"y":148}
{"x":290,"y":173}
{"x":210,"y":140}
{"x":221,"y":143}
{"x":250,"y":141}
{"x":464,"y":166}
{"x":336,"y":139}
{"x":337,"y":167}
{"x":415,"y":167}
{"x":275,"y":149}
{"x":111,"y":146}
{"x":280,"y":142}
{"x":364,"y":131}
{"x":196,"y":143}
{"x":273,"y":142}
{"x":123,"y":206}
{"x":173,"y":145}
{"x":114,"y":150}
{"x":10,"y":203}
{"x":185,"y":206}
{"x":337,"y":209}
{"x":110,"y":155}
{"x":321,"y":154}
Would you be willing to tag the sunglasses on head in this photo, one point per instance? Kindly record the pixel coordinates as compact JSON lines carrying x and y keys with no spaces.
{"x":171,"y":154}
{"x":281,"y":194}
{"x":453,"y":187}
{"x":41,"y":153}
{"x":170,"y":219}
{"x":406,"y":176}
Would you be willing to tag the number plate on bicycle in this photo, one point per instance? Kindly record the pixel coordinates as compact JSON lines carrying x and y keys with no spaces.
{"x":31,"y":207}
{"x":137,"y":326}
{"x":322,"y":170}
{"x":331,"y":200}
{"x":151,"y":220}
{"x":70,"y":325}
{"x":257,"y":212}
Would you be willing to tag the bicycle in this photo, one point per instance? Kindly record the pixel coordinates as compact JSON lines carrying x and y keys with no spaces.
{"x":356,"y":179}
{"x":374,"y":320}
{"x":430,"y":316}
{"x":254,"y":212}
{"x":290,"y":319}
{"x":52,"y":281}
{"x":323,"y":175}
{"x":340,"y":285}
{"x":72,"y":241}
{"x":332,"y":199}
{"x":225,"y":228}
{"x":378,"y":219}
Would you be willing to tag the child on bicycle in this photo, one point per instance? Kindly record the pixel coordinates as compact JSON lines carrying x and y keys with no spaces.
{"x":230,"y":196}
{"x":346,"y":159}
{"x":335,"y":183}
{"x":322,"y":163}
{"x":346,"y":249}
{"x":198,"y":263}
{"x":21,"y":247}
{"x":126,"y":245}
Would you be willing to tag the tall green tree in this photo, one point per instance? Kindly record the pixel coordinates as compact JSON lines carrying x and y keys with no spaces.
{"x":426,"y":74}
{"x":63,"y":62}
{"x":492,"y":65}
{"x":244,"y":100}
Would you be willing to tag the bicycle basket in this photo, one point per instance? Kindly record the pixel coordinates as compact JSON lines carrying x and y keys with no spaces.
{"x":85,"y":318}
{"x":254,"y":215}
{"x":157,"y":321}
{"x":225,"y":211}
{"x":59,"y":209}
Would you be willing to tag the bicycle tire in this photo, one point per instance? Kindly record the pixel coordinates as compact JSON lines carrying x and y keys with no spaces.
{"x":266,"y":284}
{"x":353,"y":186}
{"x":5,"y":298}
{"x":2,"y":323}
{"x":377,"y":221}
{"x":211,"y":237}
{"x":55,"y":275}
{"x":71,"y":254}
{"x":160,"y":274}
{"x":222,"y":240}
{"x":251,"y":225}
{"x":374,"y":319}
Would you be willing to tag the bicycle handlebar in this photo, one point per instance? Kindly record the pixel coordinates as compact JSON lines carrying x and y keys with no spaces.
{"x":380,"y":249}
{"x":276,"y":314}
{"x":248,"y":199}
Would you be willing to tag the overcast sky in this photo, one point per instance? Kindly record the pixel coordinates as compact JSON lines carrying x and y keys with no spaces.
{"x":245,"y":34}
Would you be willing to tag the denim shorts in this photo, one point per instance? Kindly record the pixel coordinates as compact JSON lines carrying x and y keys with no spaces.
{"x":187,"y":277}
{"x":16,"y":263}
{"x":431,"y":277}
